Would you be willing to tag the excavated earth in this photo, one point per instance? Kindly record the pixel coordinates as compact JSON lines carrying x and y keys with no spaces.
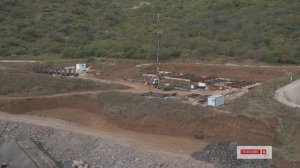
{"x":89,"y":112}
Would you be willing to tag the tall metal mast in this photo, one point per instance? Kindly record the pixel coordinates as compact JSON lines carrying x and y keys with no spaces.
{"x":158,"y":42}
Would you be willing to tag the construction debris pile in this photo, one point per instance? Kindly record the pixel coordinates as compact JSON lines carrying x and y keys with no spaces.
{"x":197,"y":97}
{"x":161,"y":95}
{"x":223,"y":154}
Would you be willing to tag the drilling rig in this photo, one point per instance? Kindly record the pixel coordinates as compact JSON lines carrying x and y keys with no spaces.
{"x":160,"y":83}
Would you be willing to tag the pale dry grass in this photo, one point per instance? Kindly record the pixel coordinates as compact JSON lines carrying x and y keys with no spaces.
{"x":14,"y":82}
{"x":262,"y":105}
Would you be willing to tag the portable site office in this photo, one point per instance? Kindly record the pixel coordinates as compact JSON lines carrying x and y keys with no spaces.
{"x":216,"y":100}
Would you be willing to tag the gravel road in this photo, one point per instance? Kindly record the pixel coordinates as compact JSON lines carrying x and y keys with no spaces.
{"x":65,"y":147}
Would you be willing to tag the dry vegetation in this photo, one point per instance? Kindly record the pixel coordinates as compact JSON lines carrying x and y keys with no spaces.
{"x":262,"y":105}
{"x":171,"y":117}
{"x":134,"y":105}
{"x":233,"y":29}
{"x":14,"y":81}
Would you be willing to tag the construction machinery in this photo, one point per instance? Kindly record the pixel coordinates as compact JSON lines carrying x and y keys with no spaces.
{"x":160,"y":84}
{"x":163,"y":85}
{"x":157,"y":81}
{"x":90,"y":70}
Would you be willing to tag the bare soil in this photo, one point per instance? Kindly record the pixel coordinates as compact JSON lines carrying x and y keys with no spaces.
{"x":66,"y":142}
{"x":89,"y":112}
{"x":23,"y":106}
{"x":216,"y":128}
{"x":95,"y":125}
{"x":171,"y":134}
{"x":252,"y":72}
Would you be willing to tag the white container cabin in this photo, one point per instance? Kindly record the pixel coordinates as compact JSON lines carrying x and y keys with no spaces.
{"x":81,"y":67}
{"x":216,"y":100}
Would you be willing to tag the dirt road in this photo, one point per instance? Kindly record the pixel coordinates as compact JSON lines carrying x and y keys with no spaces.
{"x":139,"y":141}
{"x":55,"y":95}
{"x":134,"y":88}
{"x":18,"y":61}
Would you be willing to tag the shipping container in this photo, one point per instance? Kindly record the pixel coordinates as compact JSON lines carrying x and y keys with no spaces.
{"x":216,"y":100}
{"x":202,"y":84}
{"x":80,"y":67}
{"x":216,"y":88}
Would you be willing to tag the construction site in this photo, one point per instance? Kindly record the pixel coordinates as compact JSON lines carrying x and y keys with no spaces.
{"x":190,"y":88}
{"x":161,"y":117}
{"x":127,"y":113}
{"x":143,"y":113}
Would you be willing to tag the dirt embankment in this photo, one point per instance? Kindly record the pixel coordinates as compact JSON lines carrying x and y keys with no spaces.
{"x":90,"y":112}
{"x":216,"y":128}
{"x":23,"y":106}
{"x":289,"y":94}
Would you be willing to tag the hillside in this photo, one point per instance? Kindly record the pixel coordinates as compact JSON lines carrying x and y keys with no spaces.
{"x":266,"y":31}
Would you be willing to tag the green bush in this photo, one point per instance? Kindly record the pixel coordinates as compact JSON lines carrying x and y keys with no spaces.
{"x":238,"y":29}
